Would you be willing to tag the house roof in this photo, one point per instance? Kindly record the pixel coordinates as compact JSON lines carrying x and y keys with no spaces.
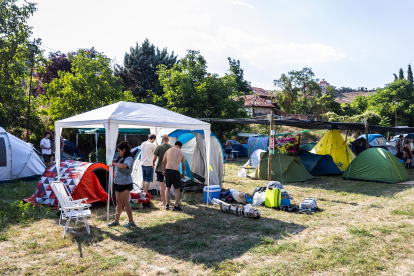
{"x":255,"y":100}
{"x":261,"y":92}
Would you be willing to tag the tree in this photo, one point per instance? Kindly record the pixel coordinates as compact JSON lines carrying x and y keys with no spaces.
{"x":189,"y":90}
{"x":88,"y":85}
{"x":139,"y":71}
{"x":57,"y":62}
{"x":15,"y":64}
{"x":395,"y":77}
{"x":410,"y":75}
{"x":382,"y":102}
{"x":238,"y":73}
{"x":294,"y":86}
{"x":401,"y":74}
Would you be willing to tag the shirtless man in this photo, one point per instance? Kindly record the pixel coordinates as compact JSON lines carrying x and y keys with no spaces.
{"x":171,"y":167}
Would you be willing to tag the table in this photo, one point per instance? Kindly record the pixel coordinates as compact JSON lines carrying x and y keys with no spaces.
{"x":236,"y":152}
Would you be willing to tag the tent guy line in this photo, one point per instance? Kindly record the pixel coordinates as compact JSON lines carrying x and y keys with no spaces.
{"x":310,"y":124}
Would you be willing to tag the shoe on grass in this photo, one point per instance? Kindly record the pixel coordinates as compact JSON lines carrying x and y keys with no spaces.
{"x":161,"y":204}
{"x":130,"y":224}
{"x":113,"y":224}
{"x":177,"y":208}
{"x":167,"y":207}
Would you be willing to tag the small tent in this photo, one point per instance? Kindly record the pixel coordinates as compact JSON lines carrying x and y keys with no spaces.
{"x":82,"y":179}
{"x":18,"y":160}
{"x":376,"y":164}
{"x":195,"y":154}
{"x":240,"y":148}
{"x":318,"y":164}
{"x":333,"y":143}
{"x":284,"y":168}
{"x":254,"y":159}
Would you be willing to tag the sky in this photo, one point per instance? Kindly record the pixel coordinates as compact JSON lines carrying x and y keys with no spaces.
{"x":349,"y":43}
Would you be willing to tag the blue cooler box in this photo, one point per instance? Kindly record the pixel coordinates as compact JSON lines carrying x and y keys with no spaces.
{"x":213,"y":193}
{"x":285,"y":202}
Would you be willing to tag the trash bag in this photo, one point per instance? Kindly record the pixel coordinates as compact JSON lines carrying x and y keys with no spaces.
{"x":242,"y":173}
{"x":259,"y":196}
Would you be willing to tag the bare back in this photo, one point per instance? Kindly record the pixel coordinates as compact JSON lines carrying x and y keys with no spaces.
{"x":173,"y":157}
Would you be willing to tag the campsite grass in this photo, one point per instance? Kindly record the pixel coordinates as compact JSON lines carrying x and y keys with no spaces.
{"x":363,"y":228}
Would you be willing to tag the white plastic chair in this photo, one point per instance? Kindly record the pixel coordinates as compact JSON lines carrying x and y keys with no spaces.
{"x":70,"y":208}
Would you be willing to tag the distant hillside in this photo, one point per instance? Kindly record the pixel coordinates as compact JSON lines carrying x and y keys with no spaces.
{"x":348,"y":97}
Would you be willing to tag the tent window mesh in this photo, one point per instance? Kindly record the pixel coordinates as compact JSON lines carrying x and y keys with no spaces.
{"x":3,"y":155}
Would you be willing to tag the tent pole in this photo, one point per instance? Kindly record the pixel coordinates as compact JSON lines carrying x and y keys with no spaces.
{"x":96,"y":146}
{"x":346,"y":135}
{"x":366,"y":134}
{"x":271,"y":141}
{"x":77,"y":134}
{"x":125,"y":137}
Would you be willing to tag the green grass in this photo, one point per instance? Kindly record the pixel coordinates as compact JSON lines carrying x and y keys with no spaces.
{"x":363,"y":228}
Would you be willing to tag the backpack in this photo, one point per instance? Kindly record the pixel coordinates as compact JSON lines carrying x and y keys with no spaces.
{"x":273,"y":197}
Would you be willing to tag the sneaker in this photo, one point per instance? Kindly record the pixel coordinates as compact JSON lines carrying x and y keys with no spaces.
{"x":177,"y":208}
{"x":167,"y":207}
{"x":113,"y":224}
{"x":160,"y":204}
{"x":129,"y":224}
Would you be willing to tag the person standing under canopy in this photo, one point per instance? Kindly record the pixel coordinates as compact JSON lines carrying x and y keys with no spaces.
{"x":171,"y":166}
{"x":147,"y":157}
{"x":159,"y":154}
{"x":46,"y":147}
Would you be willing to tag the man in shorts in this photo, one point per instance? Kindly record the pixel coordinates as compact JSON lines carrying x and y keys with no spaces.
{"x":46,"y":147}
{"x":171,"y":167}
{"x":147,"y":156}
{"x":159,"y":154}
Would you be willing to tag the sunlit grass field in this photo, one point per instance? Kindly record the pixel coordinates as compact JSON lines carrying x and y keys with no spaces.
{"x":363,"y":228}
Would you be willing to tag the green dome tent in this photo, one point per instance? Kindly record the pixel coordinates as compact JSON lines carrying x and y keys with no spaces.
{"x":284,"y":168}
{"x":376,"y":164}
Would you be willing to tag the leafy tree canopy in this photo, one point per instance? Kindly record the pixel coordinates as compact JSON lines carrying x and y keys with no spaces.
{"x":238,"y":73}
{"x":15,"y":64}
{"x":89,"y":84}
{"x":189,"y":90}
{"x":138,"y":73}
{"x":382,"y":102}
{"x":410,"y":75}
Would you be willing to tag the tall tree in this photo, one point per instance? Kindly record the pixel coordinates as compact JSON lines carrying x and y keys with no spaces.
{"x":138,"y":73}
{"x":89,"y":84}
{"x":395,"y":77}
{"x":410,"y":75}
{"x":238,"y":73}
{"x":15,"y":64}
{"x":401,"y":74}
{"x":189,"y":90}
{"x":57,"y":62}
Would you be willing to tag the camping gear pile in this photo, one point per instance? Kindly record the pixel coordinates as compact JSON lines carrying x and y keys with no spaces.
{"x":139,"y":196}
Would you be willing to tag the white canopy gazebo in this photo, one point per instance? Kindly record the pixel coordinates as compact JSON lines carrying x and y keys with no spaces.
{"x":129,"y":115}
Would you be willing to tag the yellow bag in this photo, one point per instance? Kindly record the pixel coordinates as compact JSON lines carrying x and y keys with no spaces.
{"x":273,"y":197}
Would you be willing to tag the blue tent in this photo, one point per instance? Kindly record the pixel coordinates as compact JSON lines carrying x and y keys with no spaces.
{"x":317,"y":164}
{"x":242,"y":149}
{"x":373,"y":137}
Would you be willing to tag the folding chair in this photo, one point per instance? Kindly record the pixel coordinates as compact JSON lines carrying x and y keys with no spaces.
{"x":70,"y":208}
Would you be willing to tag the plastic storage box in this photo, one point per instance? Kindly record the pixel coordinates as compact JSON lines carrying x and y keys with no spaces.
{"x":213,"y":193}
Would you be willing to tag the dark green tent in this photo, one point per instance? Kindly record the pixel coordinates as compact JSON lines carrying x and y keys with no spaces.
{"x":376,"y":164}
{"x":284,"y":168}
{"x":318,"y":164}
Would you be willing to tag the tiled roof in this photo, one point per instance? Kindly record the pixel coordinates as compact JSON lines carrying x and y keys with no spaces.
{"x":254,"y":100}
{"x":261,"y":92}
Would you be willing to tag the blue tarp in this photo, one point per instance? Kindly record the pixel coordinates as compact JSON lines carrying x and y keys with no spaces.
{"x":255,"y":143}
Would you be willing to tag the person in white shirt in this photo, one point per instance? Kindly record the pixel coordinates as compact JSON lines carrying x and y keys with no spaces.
{"x":147,"y":157}
{"x":46,"y":150}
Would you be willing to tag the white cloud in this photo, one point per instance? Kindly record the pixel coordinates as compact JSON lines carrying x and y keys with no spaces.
{"x":240,"y":3}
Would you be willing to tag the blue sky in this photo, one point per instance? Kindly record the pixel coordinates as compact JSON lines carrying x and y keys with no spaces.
{"x":348,"y":43}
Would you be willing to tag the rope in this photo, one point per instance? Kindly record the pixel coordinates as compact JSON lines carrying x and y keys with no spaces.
{"x":395,"y":167}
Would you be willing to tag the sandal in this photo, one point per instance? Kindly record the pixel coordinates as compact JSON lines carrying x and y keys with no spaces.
{"x":113,"y":224}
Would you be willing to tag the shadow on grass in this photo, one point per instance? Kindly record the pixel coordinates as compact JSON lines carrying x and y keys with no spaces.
{"x":208,"y":237}
{"x":338,"y":184}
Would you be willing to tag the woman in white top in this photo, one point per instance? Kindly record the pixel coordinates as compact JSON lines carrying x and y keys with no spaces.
{"x":46,"y":149}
